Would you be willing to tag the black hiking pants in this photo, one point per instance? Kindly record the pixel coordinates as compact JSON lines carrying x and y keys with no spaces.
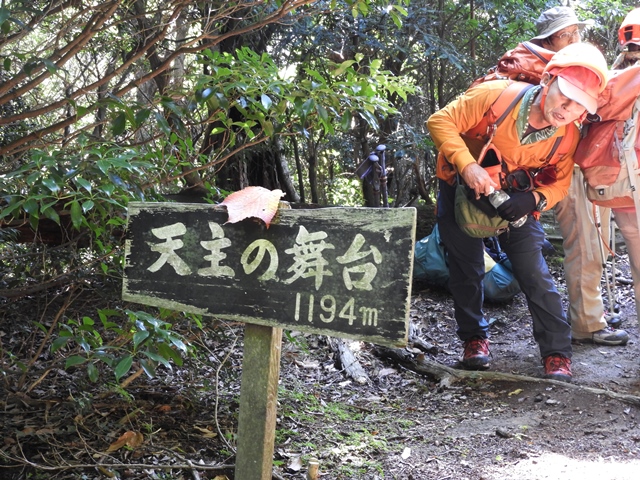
{"x":523,"y":246}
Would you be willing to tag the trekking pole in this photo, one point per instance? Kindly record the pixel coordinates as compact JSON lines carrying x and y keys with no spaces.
{"x":614,"y":308}
{"x":603,"y":258}
{"x":380,"y":149}
{"x":374,"y":178}
{"x":374,"y":171}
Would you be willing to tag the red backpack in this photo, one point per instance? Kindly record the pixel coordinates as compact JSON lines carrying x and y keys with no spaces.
{"x":524,"y":63}
{"x":599,"y":153}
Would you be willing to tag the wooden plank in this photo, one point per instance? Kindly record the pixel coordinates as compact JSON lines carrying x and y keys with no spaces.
{"x":343,"y":272}
{"x":258,"y":402}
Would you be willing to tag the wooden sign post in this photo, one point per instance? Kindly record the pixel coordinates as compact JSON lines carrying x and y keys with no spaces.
{"x":344,"y":272}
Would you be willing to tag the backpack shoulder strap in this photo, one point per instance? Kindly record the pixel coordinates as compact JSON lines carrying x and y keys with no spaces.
{"x":500,"y":108}
{"x":561,"y":146}
{"x":506,"y":103}
{"x":533,"y":48}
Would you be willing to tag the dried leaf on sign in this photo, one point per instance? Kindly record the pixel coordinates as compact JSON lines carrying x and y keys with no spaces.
{"x":253,"y":202}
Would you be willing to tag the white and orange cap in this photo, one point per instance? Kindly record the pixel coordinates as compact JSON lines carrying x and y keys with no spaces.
{"x":581,"y":72}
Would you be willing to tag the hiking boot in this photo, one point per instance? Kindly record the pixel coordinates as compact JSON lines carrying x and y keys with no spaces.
{"x":606,"y":336}
{"x":476,"y":353}
{"x":557,"y":367}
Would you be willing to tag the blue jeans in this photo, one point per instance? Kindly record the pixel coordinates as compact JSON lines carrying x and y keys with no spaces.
{"x":523,"y":246}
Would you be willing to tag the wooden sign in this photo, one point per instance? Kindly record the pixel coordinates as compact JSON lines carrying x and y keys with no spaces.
{"x":338,"y":271}
{"x":344,"y":272}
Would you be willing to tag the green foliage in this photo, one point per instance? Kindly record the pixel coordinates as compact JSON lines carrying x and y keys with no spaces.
{"x":139,"y":337}
{"x":607,"y":17}
{"x":345,"y":191}
{"x":291,"y":401}
{"x":305,"y":404}
{"x":270,"y":103}
{"x":95,"y":184}
{"x":93,"y":187}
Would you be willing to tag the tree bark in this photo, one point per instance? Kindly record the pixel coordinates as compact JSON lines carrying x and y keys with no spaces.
{"x":284,"y":174}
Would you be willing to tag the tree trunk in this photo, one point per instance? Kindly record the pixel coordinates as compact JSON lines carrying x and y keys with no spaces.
{"x":284,"y":174}
{"x":296,"y":152}
{"x":313,"y":176}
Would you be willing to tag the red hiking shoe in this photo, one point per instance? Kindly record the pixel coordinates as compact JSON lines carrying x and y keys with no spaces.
{"x":476,"y":353}
{"x":557,"y":367}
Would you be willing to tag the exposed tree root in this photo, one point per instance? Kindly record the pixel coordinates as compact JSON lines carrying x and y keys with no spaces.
{"x":447,"y":376}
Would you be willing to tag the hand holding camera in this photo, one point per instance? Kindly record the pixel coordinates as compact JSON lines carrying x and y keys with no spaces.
{"x":520,"y":204}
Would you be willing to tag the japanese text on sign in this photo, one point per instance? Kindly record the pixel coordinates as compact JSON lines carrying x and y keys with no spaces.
{"x":307,"y":253}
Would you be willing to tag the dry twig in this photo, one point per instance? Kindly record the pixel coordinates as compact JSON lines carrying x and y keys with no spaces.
{"x":45,"y":340}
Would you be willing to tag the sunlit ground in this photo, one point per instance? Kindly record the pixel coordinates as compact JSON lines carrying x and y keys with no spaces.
{"x":551,"y":466}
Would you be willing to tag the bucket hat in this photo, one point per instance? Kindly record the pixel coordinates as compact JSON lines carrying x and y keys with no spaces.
{"x":555,"y":19}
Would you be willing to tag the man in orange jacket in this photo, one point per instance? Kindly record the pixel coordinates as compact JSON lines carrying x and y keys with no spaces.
{"x":569,"y":88}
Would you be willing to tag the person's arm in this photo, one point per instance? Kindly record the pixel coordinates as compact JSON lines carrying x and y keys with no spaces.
{"x":457,"y":117}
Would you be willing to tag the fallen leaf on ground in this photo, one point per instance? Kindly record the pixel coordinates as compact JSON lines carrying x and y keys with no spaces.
{"x":205,"y":432}
{"x":295,"y":464}
{"x":130,"y":439}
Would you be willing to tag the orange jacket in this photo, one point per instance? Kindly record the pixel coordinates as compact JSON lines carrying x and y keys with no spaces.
{"x":466,"y":111}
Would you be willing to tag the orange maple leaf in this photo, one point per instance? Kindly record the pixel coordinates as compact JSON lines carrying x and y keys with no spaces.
{"x":253,"y":202}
